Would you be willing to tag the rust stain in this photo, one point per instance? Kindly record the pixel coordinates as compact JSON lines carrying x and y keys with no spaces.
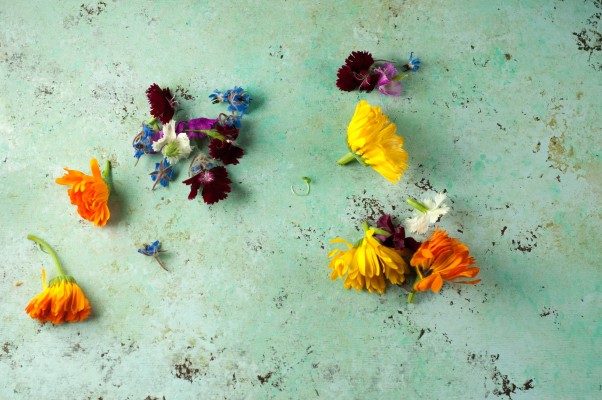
{"x":558,"y":154}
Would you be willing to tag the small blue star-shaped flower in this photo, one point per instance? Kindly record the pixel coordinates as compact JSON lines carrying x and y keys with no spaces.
{"x":162,"y":174}
{"x":153,"y":250}
{"x":238,"y":100}
{"x":413,"y":63}
{"x":218,"y":97}
{"x":143,"y":142}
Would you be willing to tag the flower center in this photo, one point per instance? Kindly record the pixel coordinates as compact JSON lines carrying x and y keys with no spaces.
{"x":172,"y":150}
{"x":206,"y":177}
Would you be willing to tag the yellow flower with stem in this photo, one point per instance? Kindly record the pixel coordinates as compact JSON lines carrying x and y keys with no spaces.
{"x":62,"y":300}
{"x":373,"y":141}
{"x":368,"y":262}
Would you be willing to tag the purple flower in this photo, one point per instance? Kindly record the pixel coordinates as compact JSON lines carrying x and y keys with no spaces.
{"x":197,"y":124}
{"x":386,"y":84}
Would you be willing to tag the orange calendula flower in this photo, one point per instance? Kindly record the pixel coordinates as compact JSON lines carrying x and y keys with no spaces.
{"x":89,"y":193}
{"x":62,"y":300}
{"x":373,"y":141}
{"x":367,"y":264}
{"x":441,"y":258}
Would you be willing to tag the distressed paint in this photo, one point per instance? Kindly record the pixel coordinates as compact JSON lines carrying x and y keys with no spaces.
{"x":504,"y":114}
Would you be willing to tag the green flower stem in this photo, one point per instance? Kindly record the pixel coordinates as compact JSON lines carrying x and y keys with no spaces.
{"x":365,"y":226}
{"x":209,"y":132}
{"x":379,"y":231}
{"x":417,"y":205}
{"x":413,"y":292}
{"x":400,"y":77}
{"x":106,"y":175}
{"x":307,"y":183}
{"x":347,"y":158}
{"x":47,"y":247}
{"x":153,"y":123}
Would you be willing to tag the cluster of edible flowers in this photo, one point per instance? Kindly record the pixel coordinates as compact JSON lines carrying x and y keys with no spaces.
{"x":177,"y":140}
{"x":361,"y":71}
{"x":385,"y":253}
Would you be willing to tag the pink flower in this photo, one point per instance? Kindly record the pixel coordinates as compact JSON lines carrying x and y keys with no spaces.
{"x":386,"y":84}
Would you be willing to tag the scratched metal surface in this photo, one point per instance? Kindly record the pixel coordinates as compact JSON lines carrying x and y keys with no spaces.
{"x":504,"y":114}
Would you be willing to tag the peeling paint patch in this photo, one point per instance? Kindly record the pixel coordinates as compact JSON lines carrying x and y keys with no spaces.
{"x":589,"y":39}
{"x":558,"y":154}
{"x":185,"y":371}
{"x":265,"y":378}
{"x":503,"y":386}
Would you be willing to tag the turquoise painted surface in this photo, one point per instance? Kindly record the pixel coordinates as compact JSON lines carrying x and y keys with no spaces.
{"x":504,"y":115}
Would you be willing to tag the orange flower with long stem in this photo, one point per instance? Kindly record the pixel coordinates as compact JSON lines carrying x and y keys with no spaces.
{"x":62,"y":300}
{"x":89,"y":193}
{"x":439,"y":259}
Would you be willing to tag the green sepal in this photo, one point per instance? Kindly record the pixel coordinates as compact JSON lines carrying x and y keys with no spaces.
{"x":61,"y":278}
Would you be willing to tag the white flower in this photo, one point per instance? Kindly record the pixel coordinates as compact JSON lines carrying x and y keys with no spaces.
{"x":174,"y":147}
{"x":426,"y":213}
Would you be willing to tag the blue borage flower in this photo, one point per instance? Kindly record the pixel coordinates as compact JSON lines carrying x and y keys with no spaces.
{"x":163,"y":173}
{"x":153,"y":250}
{"x":237,"y":98}
{"x":413,"y":63}
{"x":143,"y":142}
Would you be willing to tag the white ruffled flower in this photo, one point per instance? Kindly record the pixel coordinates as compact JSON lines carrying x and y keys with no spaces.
{"x":426,"y":213}
{"x":174,"y":147}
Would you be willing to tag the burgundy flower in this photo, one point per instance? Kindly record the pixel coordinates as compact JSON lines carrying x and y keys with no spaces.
{"x":397,"y":238}
{"x":215,"y":183}
{"x":162,"y":103}
{"x":357,"y":73}
{"x":346,"y":80}
{"x":359,"y":61}
{"x":229,"y":132}
{"x":225,"y":151}
{"x":196,"y":124}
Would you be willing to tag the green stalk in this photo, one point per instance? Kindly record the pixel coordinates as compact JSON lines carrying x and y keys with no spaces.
{"x":209,"y":132}
{"x":379,"y":231}
{"x":47,"y":247}
{"x":365,"y":226}
{"x":106,"y":175}
{"x":417,"y":205}
{"x":347,"y":158}
{"x":399,"y":77}
{"x":413,"y":293}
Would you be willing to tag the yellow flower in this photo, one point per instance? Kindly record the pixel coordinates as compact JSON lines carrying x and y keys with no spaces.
{"x":373,"y":141}
{"x":367,"y":264}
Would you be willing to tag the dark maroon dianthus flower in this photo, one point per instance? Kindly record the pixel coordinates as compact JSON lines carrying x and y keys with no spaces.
{"x":397,"y":238}
{"x":162,"y":103}
{"x":357,"y":73}
{"x":225,"y":151}
{"x":214,"y":182}
{"x":229,"y":132}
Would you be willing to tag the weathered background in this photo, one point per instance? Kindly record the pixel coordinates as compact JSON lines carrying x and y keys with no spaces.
{"x":504,"y":114}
